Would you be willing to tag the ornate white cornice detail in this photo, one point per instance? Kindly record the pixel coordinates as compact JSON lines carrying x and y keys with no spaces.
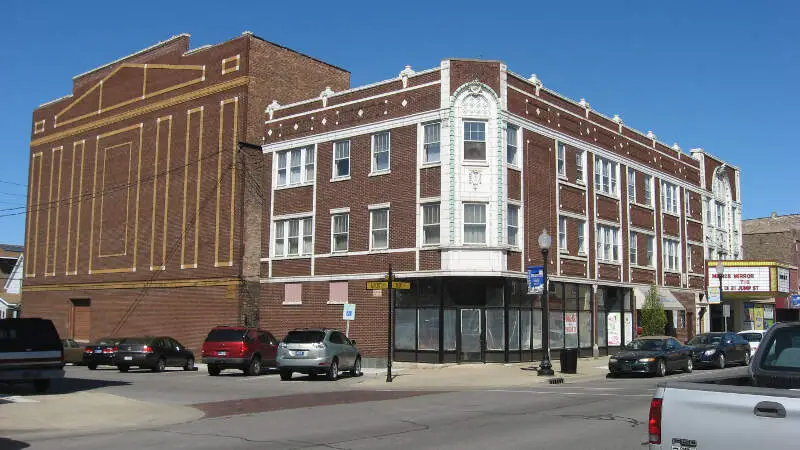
{"x":537,"y":83}
{"x":676,"y":147}
{"x":586,"y":106}
{"x":618,"y":120}
{"x":325,"y":94}
{"x":405,"y":73}
{"x":272,"y":107}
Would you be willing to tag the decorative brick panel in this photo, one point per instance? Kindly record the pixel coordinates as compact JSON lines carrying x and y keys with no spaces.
{"x":641,"y":217}
{"x":572,"y":199}
{"x":607,"y":208}
{"x":672,"y":279}
{"x":643,"y":276}
{"x":608,"y":272}
{"x":694,"y":231}
{"x":696,"y":282}
{"x":514,"y":178}
{"x":573,"y":268}
{"x":671,"y":225}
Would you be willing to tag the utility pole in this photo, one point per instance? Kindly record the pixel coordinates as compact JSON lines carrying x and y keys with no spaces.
{"x":389,"y":336}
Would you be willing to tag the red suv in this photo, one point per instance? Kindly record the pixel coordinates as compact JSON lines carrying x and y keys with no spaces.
{"x":245,"y":349}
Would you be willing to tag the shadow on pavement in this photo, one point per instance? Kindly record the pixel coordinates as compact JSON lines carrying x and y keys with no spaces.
{"x":10,"y":444}
{"x":62,"y":386}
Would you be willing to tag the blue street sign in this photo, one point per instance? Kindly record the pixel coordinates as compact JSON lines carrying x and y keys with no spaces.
{"x":535,"y":279}
{"x":795,"y":301}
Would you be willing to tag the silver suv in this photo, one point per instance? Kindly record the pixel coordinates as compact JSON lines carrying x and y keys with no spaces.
{"x":315,"y":351}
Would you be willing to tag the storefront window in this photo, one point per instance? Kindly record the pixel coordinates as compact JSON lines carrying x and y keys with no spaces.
{"x":428,"y":329}
{"x":614,"y":329}
{"x":586,"y":329}
{"x":428,"y":292}
{"x":556,"y":296}
{"x":405,"y":329}
{"x":602,"y":340}
{"x":513,"y":329}
{"x":494,"y":295}
{"x":525,"y":328}
{"x":556,"y":329}
{"x":571,"y":296}
{"x":584,"y":299}
{"x":536,"y":329}
{"x":495,"y":333}
{"x":450,"y":330}
{"x":571,"y":329}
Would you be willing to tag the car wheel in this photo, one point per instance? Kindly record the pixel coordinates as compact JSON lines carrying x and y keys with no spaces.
{"x":333,"y":370}
{"x":356,"y":370}
{"x":160,"y":365}
{"x":214,"y":370}
{"x":41,"y":385}
{"x":286,"y":375}
{"x":254,"y":368}
{"x":689,"y":365}
{"x":747,"y":359}
{"x":720,"y":361}
{"x":92,"y":366}
{"x":123,"y":368}
{"x":661,"y":368}
{"x":189,"y":366}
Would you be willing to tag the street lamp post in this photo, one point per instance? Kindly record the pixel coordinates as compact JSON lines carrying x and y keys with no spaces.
{"x":720,"y":273}
{"x":545,"y":366}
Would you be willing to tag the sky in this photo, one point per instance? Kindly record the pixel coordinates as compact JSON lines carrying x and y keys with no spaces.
{"x":721,"y":75}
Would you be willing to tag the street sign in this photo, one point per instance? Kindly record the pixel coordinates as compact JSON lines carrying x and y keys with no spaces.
{"x":713,"y":294}
{"x":377,"y":285}
{"x":794,"y":301}
{"x":726,"y":310}
{"x":349,"y":311}
{"x":535,"y":280}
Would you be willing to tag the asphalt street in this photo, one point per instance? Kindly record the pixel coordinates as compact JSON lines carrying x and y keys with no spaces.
{"x":305,"y":414}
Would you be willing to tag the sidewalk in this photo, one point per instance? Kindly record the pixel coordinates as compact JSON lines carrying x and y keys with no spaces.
{"x":479,"y":376}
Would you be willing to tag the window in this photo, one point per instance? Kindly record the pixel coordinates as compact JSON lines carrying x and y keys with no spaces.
{"x":581,"y":237}
{"x":709,"y":211}
{"x":669,"y":197}
{"x":513,"y":225}
{"x":720,"y":210}
{"x":475,"y":141}
{"x":688,"y":204}
{"x":292,"y":293}
{"x":633,"y":248}
{"x":341,"y":232}
{"x":631,"y":185}
{"x":650,"y":251}
{"x":341,"y":159}
{"x":561,"y":154}
{"x":474,"y":223}
{"x":605,"y":176}
{"x":648,"y":190}
{"x":562,"y":234}
{"x":296,"y":159}
{"x":431,"y":142}
{"x":580,"y":176}
{"x":671,"y":255}
{"x":380,"y":152}
{"x":511,"y":145}
{"x":293,"y":237}
{"x":607,"y":243}
{"x":430,"y":224}
{"x":379,"y":224}
{"x":689,"y":258}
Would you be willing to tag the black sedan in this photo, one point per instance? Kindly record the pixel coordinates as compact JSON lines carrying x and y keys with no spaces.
{"x":651,"y":355}
{"x":719,"y":349}
{"x":154,"y":353}
{"x":103,"y":352}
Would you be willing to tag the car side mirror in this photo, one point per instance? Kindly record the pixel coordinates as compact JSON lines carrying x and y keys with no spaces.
{"x":353,"y":341}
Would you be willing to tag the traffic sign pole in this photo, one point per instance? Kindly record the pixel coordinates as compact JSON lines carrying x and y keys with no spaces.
{"x":389,"y":337}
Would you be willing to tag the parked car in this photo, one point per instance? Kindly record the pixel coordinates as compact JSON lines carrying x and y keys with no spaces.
{"x":753,"y":337}
{"x":719,"y":349}
{"x":103,"y":352}
{"x":315,"y":351}
{"x":651,"y":355}
{"x":154,"y":353}
{"x":73,"y":352}
{"x":30,"y":352}
{"x":245,"y":349}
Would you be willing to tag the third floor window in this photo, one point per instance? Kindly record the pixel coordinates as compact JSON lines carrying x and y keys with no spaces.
{"x":381,"y":147}
{"x":605,"y":176}
{"x":431,"y":143}
{"x":474,"y":141}
{"x":669,"y":198}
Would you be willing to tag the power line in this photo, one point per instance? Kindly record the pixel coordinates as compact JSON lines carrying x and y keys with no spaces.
{"x":15,"y":184}
{"x":16,"y":195}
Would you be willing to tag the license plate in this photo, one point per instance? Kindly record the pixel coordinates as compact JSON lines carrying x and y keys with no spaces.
{"x":222,"y":353}
{"x":129,"y":358}
{"x":299,"y":353}
{"x":97,"y":350}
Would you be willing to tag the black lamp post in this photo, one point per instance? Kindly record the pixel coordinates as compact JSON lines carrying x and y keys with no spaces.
{"x":545,"y":367}
{"x":720,"y":273}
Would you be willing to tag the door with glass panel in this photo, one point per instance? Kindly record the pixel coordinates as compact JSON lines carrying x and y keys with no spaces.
{"x":471,"y":348}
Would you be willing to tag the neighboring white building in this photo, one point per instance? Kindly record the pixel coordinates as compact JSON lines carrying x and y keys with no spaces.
{"x":11,"y":279}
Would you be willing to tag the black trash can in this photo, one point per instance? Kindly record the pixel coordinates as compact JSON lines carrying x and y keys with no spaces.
{"x":569,"y":360}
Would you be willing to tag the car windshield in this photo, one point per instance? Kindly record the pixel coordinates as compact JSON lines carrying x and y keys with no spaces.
{"x":225,"y":335}
{"x":784,"y":350}
{"x":107,"y":341}
{"x":645,"y":344}
{"x":304,"y":337}
{"x":136,"y":341}
{"x":752,"y":337}
{"x":705,"y":339}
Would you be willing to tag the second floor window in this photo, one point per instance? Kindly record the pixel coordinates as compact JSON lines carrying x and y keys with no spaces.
{"x":431,"y":143}
{"x":430,"y":224}
{"x":648,"y":189}
{"x":474,"y":141}
{"x":341,"y":159}
{"x":474,"y":223}
{"x":379,"y":224}
{"x":561,"y":154}
{"x":671,"y":255}
{"x":579,"y":176}
{"x":605,"y":176}
{"x":381,"y":152}
{"x":513,"y":225}
{"x":293,"y":237}
{"x":631,"y":185}
{"x":511,"y":145}
{"x":607,"y":243}
{"x":650,"y":251}
{"x":562,"y":234}
{"x":669,"y":197}
{"x":340,"y":232}
{"x":633,"y":249}
{"x":581,"y":237}
{"x":295,"y":166}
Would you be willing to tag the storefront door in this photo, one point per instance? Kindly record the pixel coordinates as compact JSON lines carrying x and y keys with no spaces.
{"x":471,"y":348}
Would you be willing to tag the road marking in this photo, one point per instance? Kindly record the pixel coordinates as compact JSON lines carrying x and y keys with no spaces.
{"x":18,"y":399}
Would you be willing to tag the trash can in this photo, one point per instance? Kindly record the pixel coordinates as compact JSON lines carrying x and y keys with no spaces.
{"x":569,"y":360}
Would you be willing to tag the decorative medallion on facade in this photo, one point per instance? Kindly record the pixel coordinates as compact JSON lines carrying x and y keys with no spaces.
{"x":475,"y":178}
{"x":475,"y":105}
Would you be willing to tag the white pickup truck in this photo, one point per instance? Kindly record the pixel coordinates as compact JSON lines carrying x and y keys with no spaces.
{"x":744,"y":408}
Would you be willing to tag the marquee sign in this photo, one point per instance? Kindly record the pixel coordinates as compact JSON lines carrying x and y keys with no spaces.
{"x":741,"y":279}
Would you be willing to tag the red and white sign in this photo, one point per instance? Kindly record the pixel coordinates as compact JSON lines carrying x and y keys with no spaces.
{"x":571,"y":323}
{"x":741,"y":279}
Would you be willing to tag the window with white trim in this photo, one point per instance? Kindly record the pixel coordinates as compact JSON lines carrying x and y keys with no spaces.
{"x":671,"y":253}
{"x":688,"y":204}
{"x":648,"y":189}
{"x":607,"y":243}
{"x":651,"y":251}
{"x":511,"y":145}
{"x":340,"y":232}
{"x":341,"y":159}
{"x":720,"y":209}
{"x":379,"y":229}
{"x":381,"y":152}
{"x":474,"y":223}
{"x":291,"y":164}
{"x":430,"y":224}
{"x":734,"y":219}
{"x":580,"y":174}
{"x":561,"y":154}
{"x":605,"y":176}
{"x":474,"y":141}
{"x":293,"y":237}
{"x":431,"y":142}
{"x":709,"y":211}
{"x":562,"y":234}
{"x":513,"y":225}
{"x":689,"y":258}
{"x":633,"y":249}
{"x":669,"y":197}
{"x":631,"y":185}
{"x":581,"y":234}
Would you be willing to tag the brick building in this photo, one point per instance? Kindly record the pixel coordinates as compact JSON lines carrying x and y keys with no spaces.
{"x":450,"y":174}
{"x":774,"y":238}
{"x":145,"y":202}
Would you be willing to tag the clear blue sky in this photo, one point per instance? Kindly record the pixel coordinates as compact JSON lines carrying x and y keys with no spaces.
{"x":721,"y":75}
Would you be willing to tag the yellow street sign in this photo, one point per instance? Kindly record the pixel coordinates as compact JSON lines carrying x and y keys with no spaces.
{"x":375,"y":285}
{"x":401,"y":285}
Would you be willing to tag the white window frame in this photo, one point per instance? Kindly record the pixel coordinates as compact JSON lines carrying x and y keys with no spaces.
{"x":512,"y":134}
{"x":669,"y":198}
{"x":336,"y":175}
{"x":631,"y":185}
{"x":307,"y":161}
{"x":561,"y":156}
{"x":374,"y":152}
{"x":281,"y":237}
{"x":719,"y":214}
{"x":605,"y":176}
{"x":608,"y":244}
{"x":474,"y":224}
{"x":648,"y":189}
{"x":581,"y":235}
{"x":651,"y":251}
{"x":512,"y":228}
{"x":437,"y":225}
{"x":425,"y":157}
{"x":689,"y":259}
{"x":686,"y":198}
{"x":373,"y":230}
{"x":334,"y":233}
{"x":484,"y":141}
{"x":633,"y":248}
{"x":580,"y":166}
{"x":671,"y":255}
{"x":562,"y":235}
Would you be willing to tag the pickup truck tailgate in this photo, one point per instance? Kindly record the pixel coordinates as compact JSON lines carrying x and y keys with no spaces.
{"x":737,"y":419}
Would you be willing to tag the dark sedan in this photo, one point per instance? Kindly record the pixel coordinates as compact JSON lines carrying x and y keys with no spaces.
{"x":154,"y":353}
{"x":651,"y":355}
{"x":719,"y":349}
{"x":101,"y":353}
